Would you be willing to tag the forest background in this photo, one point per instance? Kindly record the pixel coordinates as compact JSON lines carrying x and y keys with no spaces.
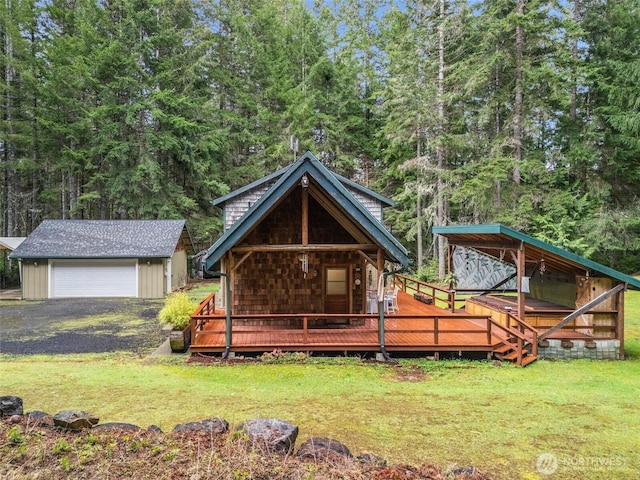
{"x":524,"y":112}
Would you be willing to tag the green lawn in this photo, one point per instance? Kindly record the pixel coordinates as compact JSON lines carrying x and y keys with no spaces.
{"x":498,"y":418}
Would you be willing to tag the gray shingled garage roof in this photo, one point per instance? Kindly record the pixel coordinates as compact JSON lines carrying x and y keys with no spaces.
{"x":104,"y":239}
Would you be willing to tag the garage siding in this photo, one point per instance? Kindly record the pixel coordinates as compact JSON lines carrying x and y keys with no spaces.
{"x":178,"y":269}
{"x":151,"y":283}
{"x":35,"y":279}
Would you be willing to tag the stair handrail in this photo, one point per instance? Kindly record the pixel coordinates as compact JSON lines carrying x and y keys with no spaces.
{"x":525,"y":326}
{"x":518,"y":333}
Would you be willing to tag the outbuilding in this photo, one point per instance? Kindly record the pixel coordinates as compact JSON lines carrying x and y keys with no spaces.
{"x":104,"y":258}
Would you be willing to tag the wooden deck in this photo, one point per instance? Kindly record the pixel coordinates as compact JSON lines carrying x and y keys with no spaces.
{"x":417,"y":328}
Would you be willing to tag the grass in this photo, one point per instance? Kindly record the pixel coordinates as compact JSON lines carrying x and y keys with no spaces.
{"x":497,"y":418}
{"x":201,"y":290}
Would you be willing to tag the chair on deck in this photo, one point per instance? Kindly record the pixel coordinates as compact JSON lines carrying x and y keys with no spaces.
{"x":391,"y":301}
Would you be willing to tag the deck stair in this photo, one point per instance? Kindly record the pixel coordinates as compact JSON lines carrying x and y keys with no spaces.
{"x":519,"y":340}
{"x":508,"y":351}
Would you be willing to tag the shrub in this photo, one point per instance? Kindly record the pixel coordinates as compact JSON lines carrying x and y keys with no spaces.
{"x":429,"y":272}
{"x":177,"y":310}
{"x":15,"y":436}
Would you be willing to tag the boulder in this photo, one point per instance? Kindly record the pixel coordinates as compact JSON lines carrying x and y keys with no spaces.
{"x":274,"y":434}
{"x":39,"y":418}
{"x":154,"y":429}
{"x":212,"y":425}
{"x":10,"y":405}
{"x":323,"y":450}
{"x":372,"y":459}
{"x":466,"y":472}
{"x":74,"y":419}
{"x":117,"y":426}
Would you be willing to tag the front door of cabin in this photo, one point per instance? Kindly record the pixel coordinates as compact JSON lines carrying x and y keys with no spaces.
{"x":336,"y":290}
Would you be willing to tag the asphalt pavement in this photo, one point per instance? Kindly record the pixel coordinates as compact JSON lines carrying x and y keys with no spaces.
{"x":80,"y":325}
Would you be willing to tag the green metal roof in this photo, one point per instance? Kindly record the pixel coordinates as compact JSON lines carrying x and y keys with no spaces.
{"x":493,"y":235}
{"x":310,"y":165}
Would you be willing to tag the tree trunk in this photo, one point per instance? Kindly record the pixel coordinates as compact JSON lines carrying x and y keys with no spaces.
{"x":517,"y":104}
{"x":10,"y":147}
{"x":419,"y":240}
{"x":497,"y":193}
{"x":440,"y":153}
{"x":574,"y":57}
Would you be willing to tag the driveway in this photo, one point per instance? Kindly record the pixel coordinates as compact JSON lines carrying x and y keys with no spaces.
{"x":80,"y":325}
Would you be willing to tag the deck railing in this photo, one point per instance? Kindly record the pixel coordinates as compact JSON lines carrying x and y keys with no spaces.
{"x":437,"y":294}
{"x":206,"y":308}
{"x":442,"y":325}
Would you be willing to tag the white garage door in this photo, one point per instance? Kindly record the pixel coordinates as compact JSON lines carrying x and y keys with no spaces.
{"x":87,"y":278}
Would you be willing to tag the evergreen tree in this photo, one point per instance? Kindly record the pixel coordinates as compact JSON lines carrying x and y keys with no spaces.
{"x":17,"y":127}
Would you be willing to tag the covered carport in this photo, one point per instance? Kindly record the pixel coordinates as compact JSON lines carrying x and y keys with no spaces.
{"x":564,"y":296}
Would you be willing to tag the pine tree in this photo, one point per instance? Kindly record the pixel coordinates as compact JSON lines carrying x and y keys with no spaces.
{"x":17,"y":120}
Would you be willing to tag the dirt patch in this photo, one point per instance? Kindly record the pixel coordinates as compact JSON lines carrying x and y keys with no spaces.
{"x":409,"y":373}
{"x":79,"y":325}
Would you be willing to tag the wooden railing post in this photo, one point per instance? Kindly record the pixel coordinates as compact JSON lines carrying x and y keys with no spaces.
{"x":305,"y":329}
{"x":520,"y":345}
{"x":489,"y":330}
{"x":534,"y":344}
{"x":436,"y":327}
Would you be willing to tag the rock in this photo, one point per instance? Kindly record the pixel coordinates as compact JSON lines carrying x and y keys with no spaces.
{"x":323,"y":449}
{"x":75,"y":419}
{"x":117,"y":426}
{"x":213,"y":425}
{"x":10,"y":405}
{"x":372,"y":459}
{"x":277,"y":435}
{"x":15,"y":419}
{"x":154,"y":429}
{"x":466,"y":472}
{"x":39,"y":418}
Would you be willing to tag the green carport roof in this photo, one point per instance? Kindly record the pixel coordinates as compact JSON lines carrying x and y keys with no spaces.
{"x":490,"y":238}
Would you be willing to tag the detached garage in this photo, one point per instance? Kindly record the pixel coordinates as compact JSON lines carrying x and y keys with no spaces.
{"x":104,"y":258}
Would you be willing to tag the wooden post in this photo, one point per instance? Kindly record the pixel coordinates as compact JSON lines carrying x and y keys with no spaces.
{"x":534,"y":343}
{"x":305,"y":330}
{"x":305,"y":216}
{"x":435,"y":330}
{"x":380,"y":267}
{"x":620,"y":322}
{"x":521,"y":271}
{"x":230,"y":278}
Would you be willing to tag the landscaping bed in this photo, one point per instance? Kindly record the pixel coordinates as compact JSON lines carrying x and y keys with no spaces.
{"x":31,"y":451}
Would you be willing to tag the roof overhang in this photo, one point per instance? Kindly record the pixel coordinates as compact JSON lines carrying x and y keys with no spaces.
{"x":496,"y":240}
{"x":11,"y":243}
{"x":328,"y":188}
